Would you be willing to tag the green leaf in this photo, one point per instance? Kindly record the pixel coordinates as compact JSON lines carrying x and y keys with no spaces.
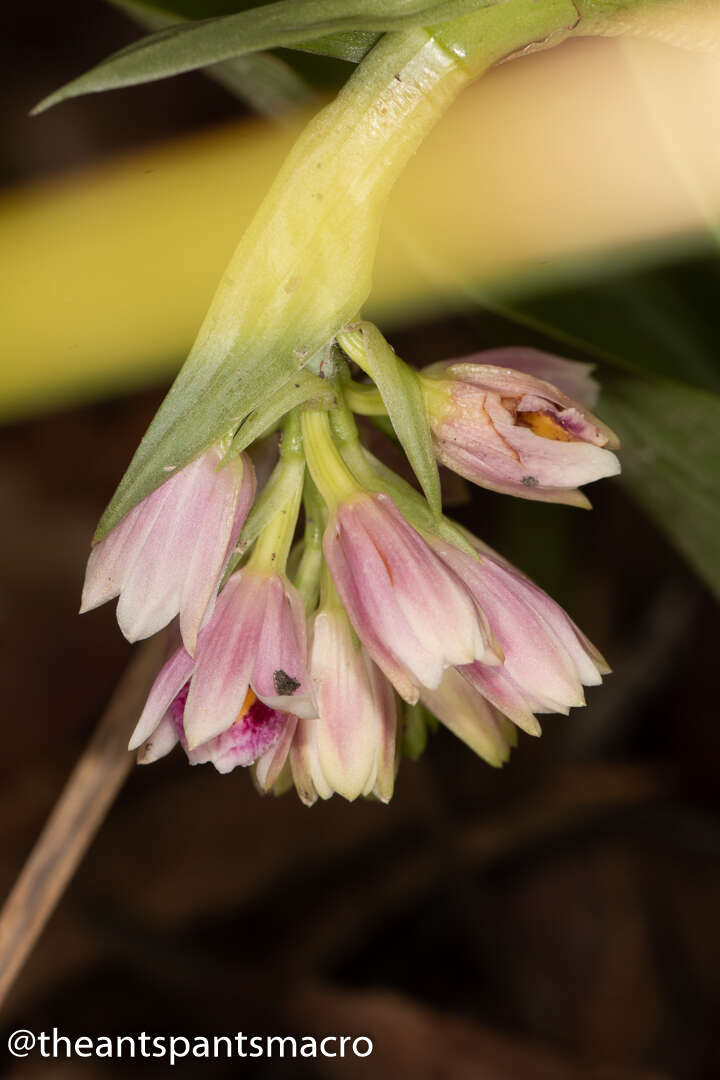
{"x":350,"y":45}
{"x":403,"y":398}
{"x":670,"y":436}
{"x":263,"y":81}
{"x":192,"y":45}
{"x":657,"y":318}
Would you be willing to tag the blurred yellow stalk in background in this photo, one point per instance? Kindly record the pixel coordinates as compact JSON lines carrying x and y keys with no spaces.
{"x":539,"y":172}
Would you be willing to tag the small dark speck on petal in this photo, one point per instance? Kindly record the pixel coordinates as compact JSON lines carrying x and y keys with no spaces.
{"x":530,"y":481}
{"x":284,"y":683}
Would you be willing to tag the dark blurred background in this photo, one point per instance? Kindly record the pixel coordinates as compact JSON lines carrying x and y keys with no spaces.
{"x":555,"y":919}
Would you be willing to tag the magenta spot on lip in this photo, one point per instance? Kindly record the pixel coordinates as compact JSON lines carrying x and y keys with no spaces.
{"x":572,"y":423}
{"x":246,"y":739}
{"x":177,"y":709}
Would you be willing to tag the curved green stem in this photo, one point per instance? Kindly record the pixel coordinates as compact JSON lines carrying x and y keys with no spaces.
{"x":271,"y":523}
{"x":309,"y":571}
{"x":327,"y":468}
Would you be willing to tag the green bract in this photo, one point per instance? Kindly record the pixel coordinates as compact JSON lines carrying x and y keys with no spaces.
{"x":403,"y":398}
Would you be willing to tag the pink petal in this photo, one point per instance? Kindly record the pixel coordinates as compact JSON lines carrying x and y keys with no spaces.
{"x":112,"y":559}
{"x":498,"y":472}
{"x":535,"y":658}
{"x":270,"y":764}
{"x":349,"y":727}
{"x":503,"y":692}
{"x":216,"y":523}
{"x":226,"y":653}
{"x":570,"y":376}
{"x":469,"y":716}
{"x":551,"y":462}
{"x":413,"y":615}
{"x":152,"y":589}
{"x":172,"y":677}
{"x":306,"y":772}
{"x":386,"y":761}
{"x":161,"y":742}
{"x":167,"y":556}
{"x":353,"y":600}
{"x":279,"y":671}
{"x":244,"y":741}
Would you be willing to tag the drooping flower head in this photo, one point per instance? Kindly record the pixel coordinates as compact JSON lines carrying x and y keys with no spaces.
{"x":301,"y":681}
{"x":513,"y":429}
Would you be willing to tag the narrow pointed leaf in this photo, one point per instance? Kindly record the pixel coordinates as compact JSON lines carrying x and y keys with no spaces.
{"x":265,"y":82}
{"x":197,"y":44}
{"x":671,"y":459}
{"x":350,"y":45}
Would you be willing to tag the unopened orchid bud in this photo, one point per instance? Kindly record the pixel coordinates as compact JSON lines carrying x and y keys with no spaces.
{"x":167,"y":555}
{"x":515,"y":432}
{"x":411,"y":611}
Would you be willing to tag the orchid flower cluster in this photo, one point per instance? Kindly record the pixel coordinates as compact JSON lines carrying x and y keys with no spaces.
{"x":323,"y":611}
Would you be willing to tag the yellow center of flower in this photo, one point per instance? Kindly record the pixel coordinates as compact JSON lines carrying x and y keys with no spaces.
{"x":545,"y":426}
{"x":247,"y":705}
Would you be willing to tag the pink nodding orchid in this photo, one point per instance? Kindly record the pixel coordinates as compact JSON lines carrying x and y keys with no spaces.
{"x":547,"y":659}
{"x":254,"y":732}
{"x":514,"y":428}
{"x":254,"y":646}
{"x":167,"y":555}
{"x":409,"y":608}
{"x":255,"y":640}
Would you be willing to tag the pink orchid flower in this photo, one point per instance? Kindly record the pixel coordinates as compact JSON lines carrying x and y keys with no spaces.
{"x":167,"y":556}
{"x":409,"y":608}
{"x":255,"y":641}
{"x":515,"y":430}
